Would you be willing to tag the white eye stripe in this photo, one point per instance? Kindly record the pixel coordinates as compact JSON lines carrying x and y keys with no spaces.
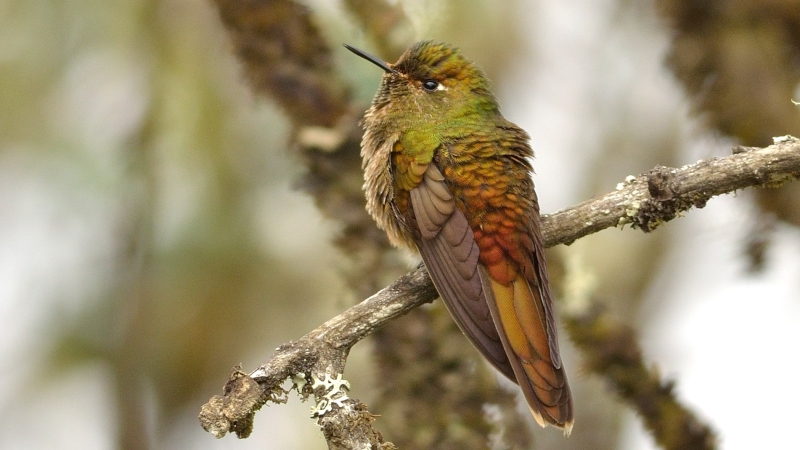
{"x":441,"y":87}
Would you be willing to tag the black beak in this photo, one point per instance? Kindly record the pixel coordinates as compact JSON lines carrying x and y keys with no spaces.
{"x":373,"y":59}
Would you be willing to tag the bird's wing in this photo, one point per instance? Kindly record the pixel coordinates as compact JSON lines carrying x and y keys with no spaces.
{"x":448,"y":248}
{"x":512,"y":323}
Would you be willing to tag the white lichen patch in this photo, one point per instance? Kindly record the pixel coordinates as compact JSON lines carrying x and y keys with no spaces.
{"x":628,"y":180}
{"x":336,"y":393}
{"x":299,"y":381}
{"x":633,"y":208}
{"x":781,"y":139}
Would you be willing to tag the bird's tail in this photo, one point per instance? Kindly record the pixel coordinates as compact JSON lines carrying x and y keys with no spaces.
{"x":529,"y":338}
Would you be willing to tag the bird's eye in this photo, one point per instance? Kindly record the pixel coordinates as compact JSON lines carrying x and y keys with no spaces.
{"x":430,"y":85}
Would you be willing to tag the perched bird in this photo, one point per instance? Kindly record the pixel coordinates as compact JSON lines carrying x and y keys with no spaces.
{"x":448,"y":176}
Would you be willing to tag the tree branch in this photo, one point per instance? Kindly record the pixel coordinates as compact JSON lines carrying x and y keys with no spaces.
{"x":645,"y":202}
{"x":656,"y":197}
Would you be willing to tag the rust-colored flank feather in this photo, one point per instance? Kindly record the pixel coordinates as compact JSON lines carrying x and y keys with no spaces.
{"x":446,"y":175}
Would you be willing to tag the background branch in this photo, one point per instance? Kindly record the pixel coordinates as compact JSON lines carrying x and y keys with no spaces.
{"x":644,"y":202}
{"x":612,"y":352}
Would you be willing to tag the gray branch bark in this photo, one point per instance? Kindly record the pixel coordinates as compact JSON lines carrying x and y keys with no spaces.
{"x":315,"y":360}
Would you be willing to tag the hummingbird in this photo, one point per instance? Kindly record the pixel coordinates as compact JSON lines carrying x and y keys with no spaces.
{"x":447,"y":176}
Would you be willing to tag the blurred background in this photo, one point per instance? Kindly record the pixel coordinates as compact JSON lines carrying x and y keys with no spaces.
{"x":156,"y":227}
